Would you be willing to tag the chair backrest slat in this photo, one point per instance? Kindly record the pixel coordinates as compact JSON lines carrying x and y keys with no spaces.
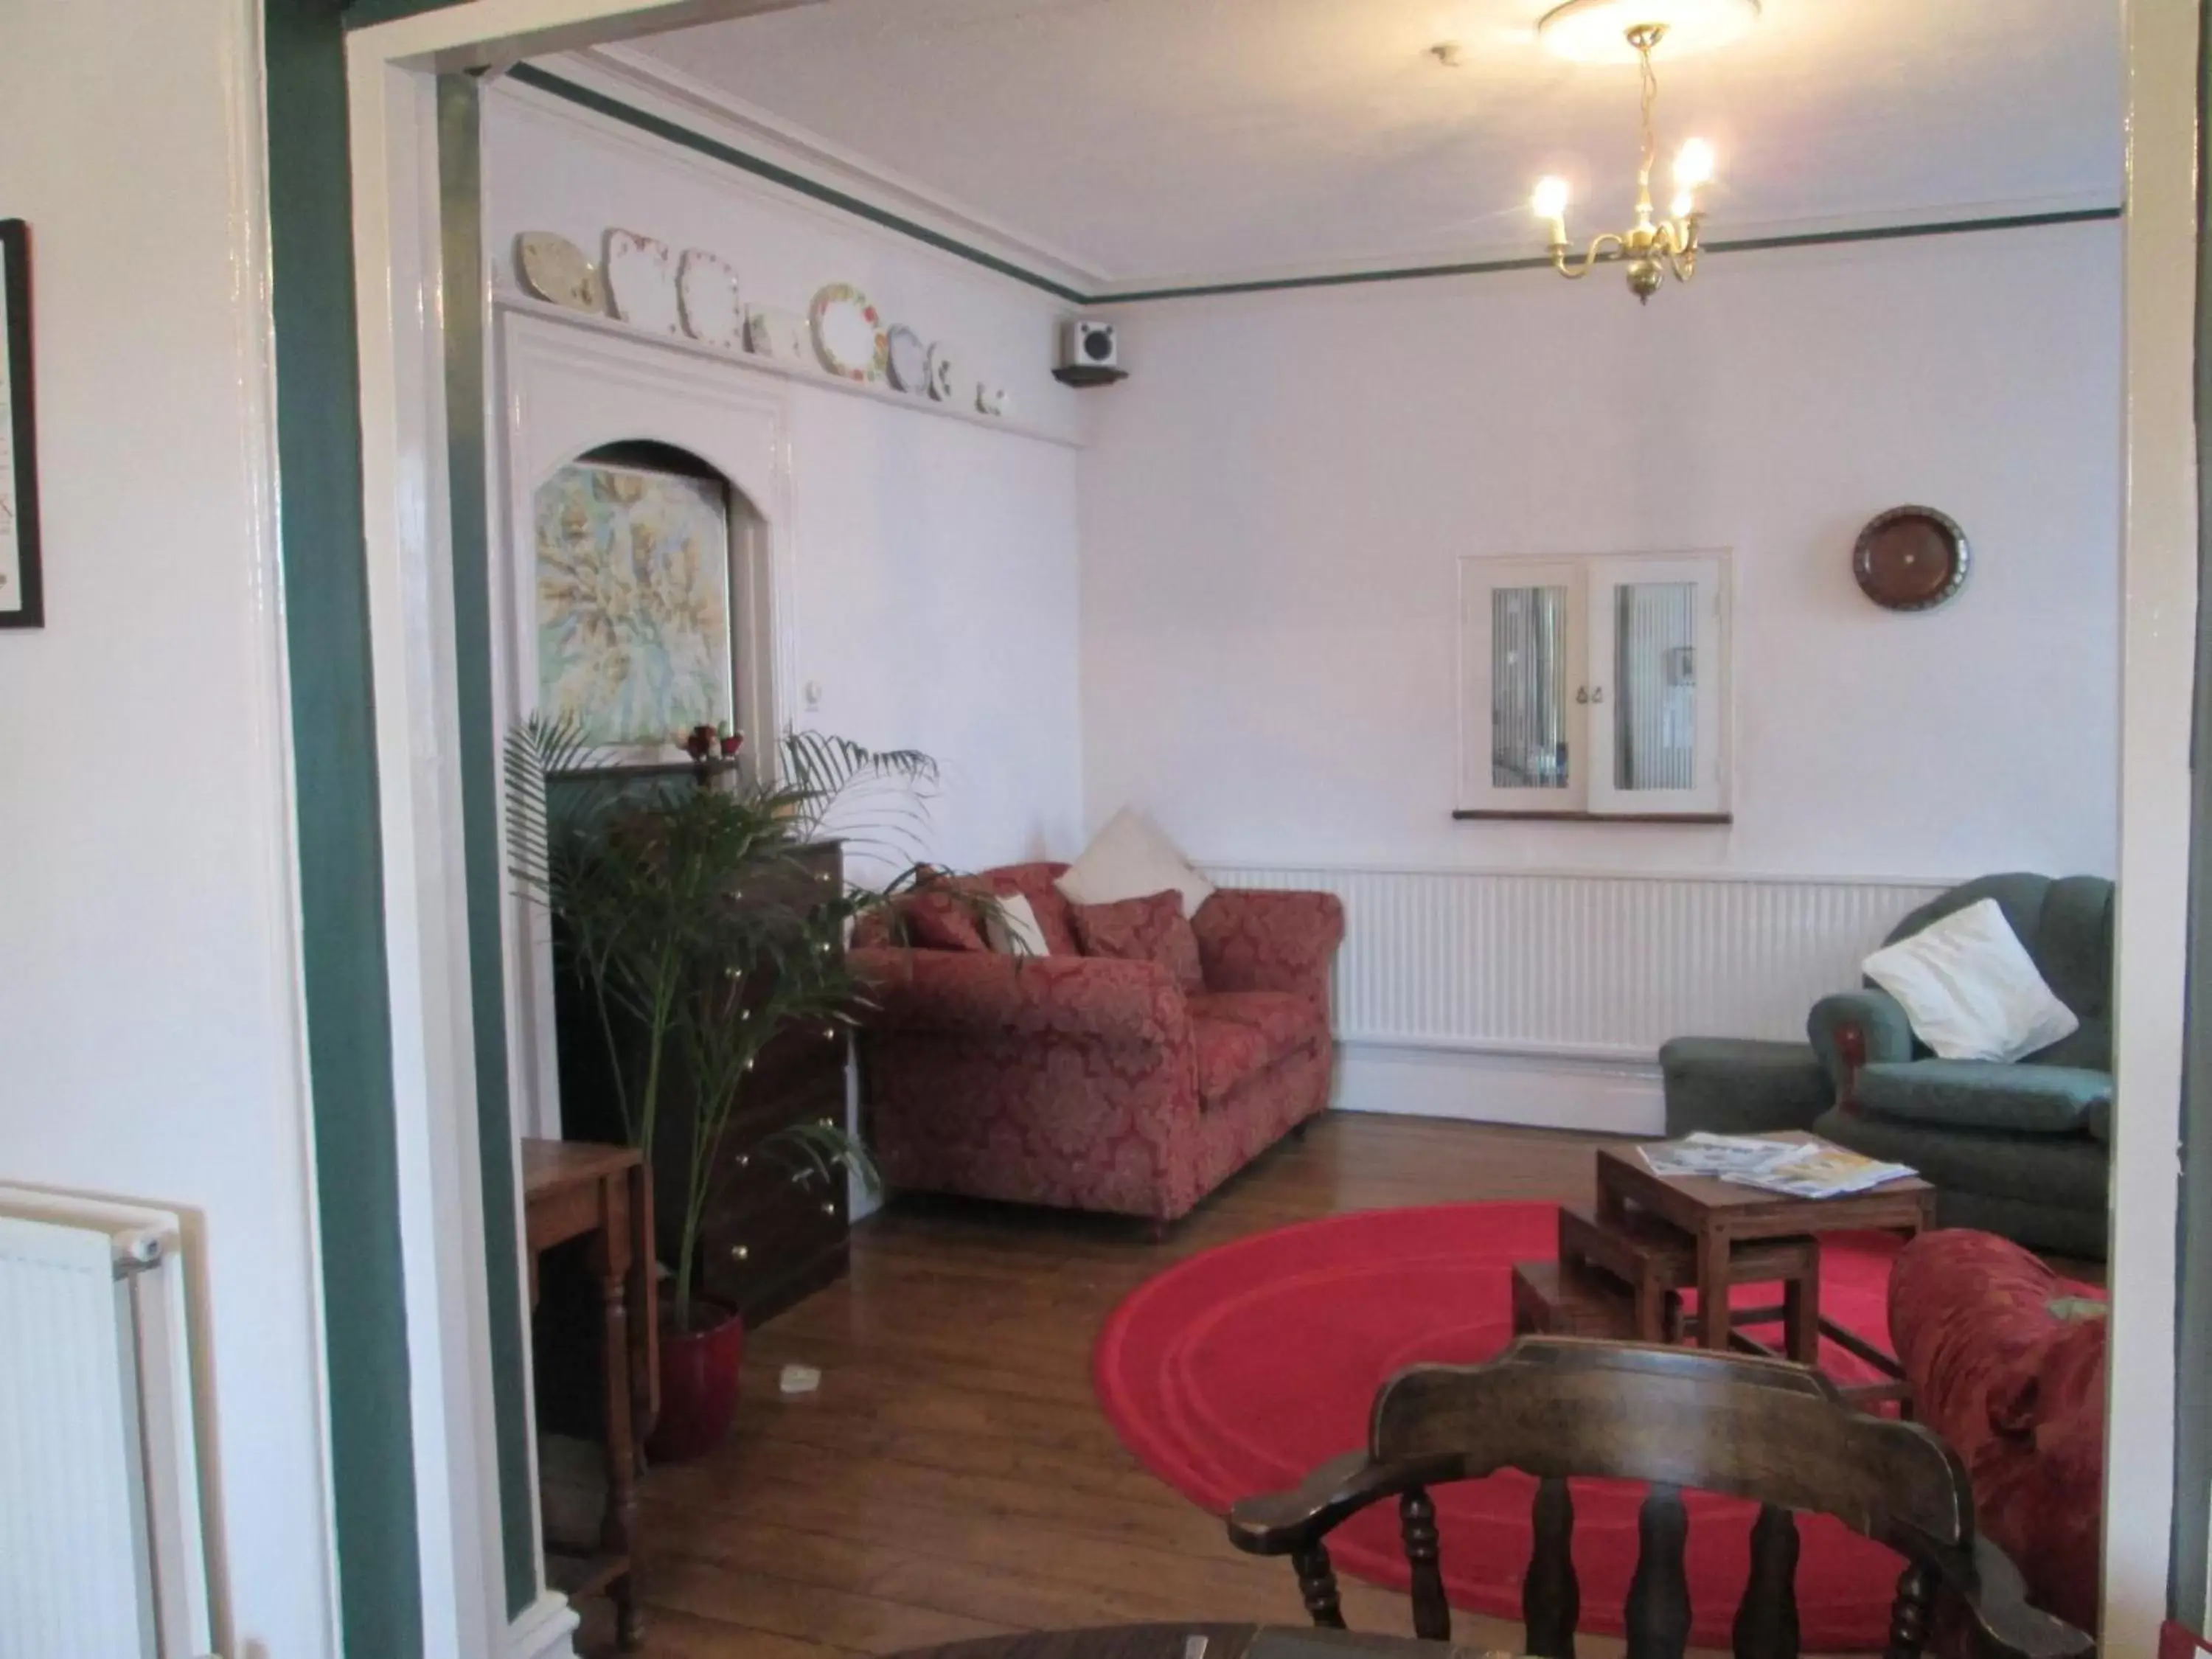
{"x":1657,"y":1617}
{"x":1766,"y":1619}
{"x":1550,"y":1595}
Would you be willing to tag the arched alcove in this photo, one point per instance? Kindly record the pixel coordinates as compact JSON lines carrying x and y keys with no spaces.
{"x":648,"y":610}
{"x":571,"y":400}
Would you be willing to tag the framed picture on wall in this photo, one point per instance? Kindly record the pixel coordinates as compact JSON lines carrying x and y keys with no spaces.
{"x":22,"y":599}
{"x":633,"y":584}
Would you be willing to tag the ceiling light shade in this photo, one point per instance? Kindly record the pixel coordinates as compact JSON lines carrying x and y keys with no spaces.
{"x":1596,"y":31}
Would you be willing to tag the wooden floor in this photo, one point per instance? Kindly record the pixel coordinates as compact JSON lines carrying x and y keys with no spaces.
{"x":954,"y":1477}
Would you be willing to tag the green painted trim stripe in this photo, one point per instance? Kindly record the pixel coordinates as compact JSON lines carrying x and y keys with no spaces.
{"x":1541,"y":262}
{"x":461,"y":274}
{"x":614,"y":109}
{"x":683,"y":137}
{"x":343,"y":963}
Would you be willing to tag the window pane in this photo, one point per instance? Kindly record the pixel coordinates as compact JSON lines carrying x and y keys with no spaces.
{"x":1654,"y":717}
{"x":1529,"y":688}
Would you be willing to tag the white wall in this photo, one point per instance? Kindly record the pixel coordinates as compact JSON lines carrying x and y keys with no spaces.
{"x":147,"y":1009}
{"x":1273,"y":504}
{"x":937,"y":580}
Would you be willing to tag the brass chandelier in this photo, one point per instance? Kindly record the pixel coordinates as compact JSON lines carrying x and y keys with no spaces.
{"x":1650,"y":248}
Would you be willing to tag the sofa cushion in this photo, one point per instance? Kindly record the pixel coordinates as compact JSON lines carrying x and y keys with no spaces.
{"x":1149,"y":929}
{"x":1131,"y":859}
{"x":1971,"y":989}
{"x":2018,"y":1390}
{"x":1033,"y":882}
{"x":1230,"y":1054}
{"x":944,"y":916}
{"x":1741,"y":1085}
{"x":1284,"y":1019}
{"x":1976,"y":1094}
{"x":2069,"y":1172}
{"x":1013,"y":929}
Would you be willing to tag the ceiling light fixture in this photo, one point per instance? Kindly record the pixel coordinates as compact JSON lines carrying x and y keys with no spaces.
{"x":1651,"y":248}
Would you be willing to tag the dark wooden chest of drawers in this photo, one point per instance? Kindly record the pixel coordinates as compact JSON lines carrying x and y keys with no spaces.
{"x":775,"y":1232}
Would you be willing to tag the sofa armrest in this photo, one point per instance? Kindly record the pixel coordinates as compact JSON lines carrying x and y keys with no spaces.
{"x":1856,"y":1029}
{"x":1250,"y":939}
{"x":985,"y":993}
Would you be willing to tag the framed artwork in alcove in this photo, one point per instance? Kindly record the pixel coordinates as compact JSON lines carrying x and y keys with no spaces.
{"x":633,"y":584}
{"x":22,"y":603}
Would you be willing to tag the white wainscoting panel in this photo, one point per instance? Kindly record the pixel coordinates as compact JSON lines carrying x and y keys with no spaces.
{"x":1543,"y":997}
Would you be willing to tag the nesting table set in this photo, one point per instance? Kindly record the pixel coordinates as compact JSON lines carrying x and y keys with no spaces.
{"x":1622,"y":1266}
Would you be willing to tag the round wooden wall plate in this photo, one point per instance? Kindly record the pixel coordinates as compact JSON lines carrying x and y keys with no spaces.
{"x":1910,"y":558}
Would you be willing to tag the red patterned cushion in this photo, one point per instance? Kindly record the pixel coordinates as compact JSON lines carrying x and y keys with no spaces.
{"x":2019,"y":1391}
{"x":1034,"y":883}
{"x":1149,"y":929}
{"x":942,"y":917}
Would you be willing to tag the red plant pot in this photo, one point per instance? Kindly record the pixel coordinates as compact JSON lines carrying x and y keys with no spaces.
{"x":698,"y":1389}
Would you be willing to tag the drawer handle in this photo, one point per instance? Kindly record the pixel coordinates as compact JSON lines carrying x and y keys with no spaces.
{"x":830,"y":1207}
{"x":745,"y":1159}
{"x":738,"y":1252}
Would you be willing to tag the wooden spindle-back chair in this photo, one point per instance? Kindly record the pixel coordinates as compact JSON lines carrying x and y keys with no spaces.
{"x":1757,"y":1428}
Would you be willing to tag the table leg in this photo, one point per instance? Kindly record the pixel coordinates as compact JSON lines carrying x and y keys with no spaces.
{"x":1611,"y":1207}
{"x":1800,"y":1317}
{"x":642,"y":1302}
{"x":1713,"y":1290}
{"x":611,"y":1265}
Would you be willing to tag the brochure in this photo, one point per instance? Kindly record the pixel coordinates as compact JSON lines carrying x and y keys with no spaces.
{"x":1794,"y":1169}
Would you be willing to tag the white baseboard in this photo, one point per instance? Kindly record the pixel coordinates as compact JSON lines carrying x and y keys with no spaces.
{"x":543,"y":1629}
{"x":1542,"y":1090}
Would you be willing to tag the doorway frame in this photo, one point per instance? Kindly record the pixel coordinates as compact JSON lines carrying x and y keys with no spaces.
{"x":402,"y":317}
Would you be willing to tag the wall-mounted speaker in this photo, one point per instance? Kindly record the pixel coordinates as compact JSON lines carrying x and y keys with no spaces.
{"x":1089,"y":344}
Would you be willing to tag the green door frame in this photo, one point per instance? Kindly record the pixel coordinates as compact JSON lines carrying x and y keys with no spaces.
{"x":343,"y":955}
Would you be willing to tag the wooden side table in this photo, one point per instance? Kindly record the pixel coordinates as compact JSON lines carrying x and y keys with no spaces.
{"x":572,"y":1190}
{"x":1719,"y":1215}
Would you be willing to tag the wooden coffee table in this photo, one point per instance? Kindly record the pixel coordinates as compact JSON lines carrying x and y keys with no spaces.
{"x":1718,"y":1215}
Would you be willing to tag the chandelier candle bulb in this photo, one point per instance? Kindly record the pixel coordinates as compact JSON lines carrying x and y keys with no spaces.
{"x":1693,"y":166}
{"x":1550,"y":203}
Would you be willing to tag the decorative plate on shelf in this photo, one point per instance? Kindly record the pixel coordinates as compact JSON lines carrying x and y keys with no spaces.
{"x":641,"y":281}
{"x":707,"y":292}
{"x":849,"y":335}
{"x":779,"y":336}
{"x":1912,"y":558}
{"x":554,"y":268}
{"x":910,"y":359}
{"x":940,"y":373}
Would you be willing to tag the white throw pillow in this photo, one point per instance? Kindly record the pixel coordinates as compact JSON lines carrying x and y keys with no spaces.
{"x":1129,"y":858}
{"x":1011,"y":929}
{"x":1969,"y":988}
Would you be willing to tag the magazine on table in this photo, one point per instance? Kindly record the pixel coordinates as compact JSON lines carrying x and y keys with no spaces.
{"x":1793,"y":1169}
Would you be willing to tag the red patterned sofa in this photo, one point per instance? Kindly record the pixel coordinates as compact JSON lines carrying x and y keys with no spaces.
{"x":1095,"y":1084}
{"x":2006,"y":1360}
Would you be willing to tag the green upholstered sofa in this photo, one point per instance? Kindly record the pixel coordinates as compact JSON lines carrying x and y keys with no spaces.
{"x":2019,"y":1149}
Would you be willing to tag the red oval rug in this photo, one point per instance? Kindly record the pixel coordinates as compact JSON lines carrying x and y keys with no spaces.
{"x":1236,"y":1371}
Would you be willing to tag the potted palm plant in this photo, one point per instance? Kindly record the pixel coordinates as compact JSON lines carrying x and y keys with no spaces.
{"x":695,"y":925}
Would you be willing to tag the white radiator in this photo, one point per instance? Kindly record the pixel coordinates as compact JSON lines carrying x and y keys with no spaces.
{"x":101,"y":1554}
{"x":1581,"y":966}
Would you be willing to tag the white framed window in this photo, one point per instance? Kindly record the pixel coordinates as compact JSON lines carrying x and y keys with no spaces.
{"x":1594,"y":687}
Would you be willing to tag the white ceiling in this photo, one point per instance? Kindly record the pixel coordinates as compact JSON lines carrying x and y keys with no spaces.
{"x":1141,"y":142}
